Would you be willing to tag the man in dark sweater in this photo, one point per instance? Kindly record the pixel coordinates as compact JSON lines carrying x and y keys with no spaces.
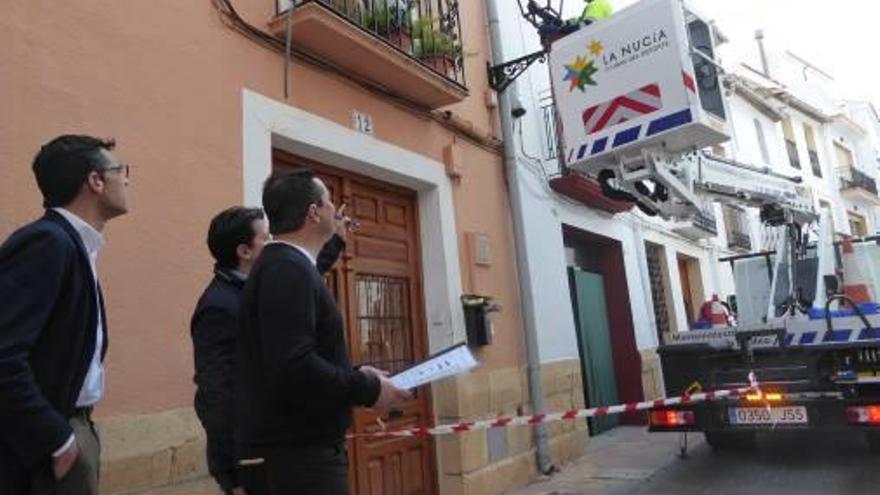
{"x":295,"y":387}
{"x":235,"y":238}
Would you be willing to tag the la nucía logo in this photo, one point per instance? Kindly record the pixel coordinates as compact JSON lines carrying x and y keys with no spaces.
{"x":580,"y":73}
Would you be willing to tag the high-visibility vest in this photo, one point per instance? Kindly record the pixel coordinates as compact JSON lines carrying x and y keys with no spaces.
{"x":597,"y":10}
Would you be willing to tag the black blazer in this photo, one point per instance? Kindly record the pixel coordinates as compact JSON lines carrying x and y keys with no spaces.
{"x":213,"y":328}
{"x":294,"y":383}
{"x":48,"y":318}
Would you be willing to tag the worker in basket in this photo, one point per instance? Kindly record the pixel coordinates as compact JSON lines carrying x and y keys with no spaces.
{"x":553,"y":29}
{"x":596,"y":10}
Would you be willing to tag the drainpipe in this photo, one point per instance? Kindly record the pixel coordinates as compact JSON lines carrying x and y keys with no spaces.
{"x":536,"y":392}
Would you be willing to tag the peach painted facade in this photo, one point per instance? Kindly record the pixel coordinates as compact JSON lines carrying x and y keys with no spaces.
{"x":166,"y":79}
{"x":187,"y":99}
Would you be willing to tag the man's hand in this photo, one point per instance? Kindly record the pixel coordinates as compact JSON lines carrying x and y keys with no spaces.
{"x":389,"y":394}
{"x":344,"y":224}
{"x":62,"y":463}
{"x":373,"y":371}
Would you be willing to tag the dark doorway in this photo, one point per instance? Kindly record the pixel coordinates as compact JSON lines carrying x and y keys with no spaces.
{"x":597,"y":279}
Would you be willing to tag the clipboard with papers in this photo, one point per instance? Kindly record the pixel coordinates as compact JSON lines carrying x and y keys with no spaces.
{"x":444,"y":364}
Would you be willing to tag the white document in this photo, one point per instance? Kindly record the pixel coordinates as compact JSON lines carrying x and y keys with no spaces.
{"x":450,"y":362}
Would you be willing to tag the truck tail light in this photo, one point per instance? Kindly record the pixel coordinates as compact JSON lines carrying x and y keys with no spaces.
{"x":764,"y":397}
{"x":863,"y":415}
{"x":670,"y":418}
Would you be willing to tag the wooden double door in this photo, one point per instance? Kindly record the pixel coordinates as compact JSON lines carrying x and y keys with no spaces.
{"x":377,"y":284}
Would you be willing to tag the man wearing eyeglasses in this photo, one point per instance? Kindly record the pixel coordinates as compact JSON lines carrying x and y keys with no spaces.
{"x":53,"y":328}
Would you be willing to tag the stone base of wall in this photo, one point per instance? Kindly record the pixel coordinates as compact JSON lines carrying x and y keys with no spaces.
{"x":151,"y":451}
{"x":165,"y":452}
{"x":489,"y":462}
{"x":563,"y":391}
{"x":652,"y":375}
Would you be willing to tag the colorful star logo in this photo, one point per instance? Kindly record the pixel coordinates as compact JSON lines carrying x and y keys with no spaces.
{"x":580,"y":73}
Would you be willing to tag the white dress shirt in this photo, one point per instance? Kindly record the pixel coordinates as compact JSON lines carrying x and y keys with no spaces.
{"x":93,"y":386}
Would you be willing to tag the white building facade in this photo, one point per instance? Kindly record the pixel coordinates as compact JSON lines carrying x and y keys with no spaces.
{"x":786,"y":119}
{"x":571,"y":228}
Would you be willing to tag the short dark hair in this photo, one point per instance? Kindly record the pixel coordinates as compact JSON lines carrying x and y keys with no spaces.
{"x":63,"y":164}
{"x":287,"y":197}
{"x":231,"y":227}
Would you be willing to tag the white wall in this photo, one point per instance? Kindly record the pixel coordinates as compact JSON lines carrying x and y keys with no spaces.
{"x":547,"y":212}
{"x":747,"y":149}
{"x":744,"y":137}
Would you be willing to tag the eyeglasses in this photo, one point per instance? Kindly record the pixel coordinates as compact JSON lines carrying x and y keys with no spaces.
{"x":123,"y":167}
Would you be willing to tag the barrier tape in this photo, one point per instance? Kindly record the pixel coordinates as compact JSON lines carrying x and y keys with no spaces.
{"x":504,"y":422}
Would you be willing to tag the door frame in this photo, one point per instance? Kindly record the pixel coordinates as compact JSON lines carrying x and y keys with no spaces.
{"x":607,"y":259}
{"x":270,"y":124}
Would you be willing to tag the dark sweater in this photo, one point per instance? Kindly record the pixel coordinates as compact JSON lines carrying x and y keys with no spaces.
{"x":293,"y":379}
{"x":213,"y":328}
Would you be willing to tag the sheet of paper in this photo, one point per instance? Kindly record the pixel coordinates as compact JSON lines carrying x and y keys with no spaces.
{"x":450,"y":362}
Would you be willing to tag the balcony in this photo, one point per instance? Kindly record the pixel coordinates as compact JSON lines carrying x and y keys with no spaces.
{"x":739,"y":240}
{"x":411,"y":49}
{"x":702,"y":226}
{"x":855,"y":184}
{"x":588,"y":192}
{"x":736,"y":224}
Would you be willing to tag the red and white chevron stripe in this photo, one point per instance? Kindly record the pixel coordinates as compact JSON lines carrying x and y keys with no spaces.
{"x":503,"y":422}
{"x":623,"y":108}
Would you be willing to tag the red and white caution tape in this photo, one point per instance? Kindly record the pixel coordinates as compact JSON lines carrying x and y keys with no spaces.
{"x":504,"y":422}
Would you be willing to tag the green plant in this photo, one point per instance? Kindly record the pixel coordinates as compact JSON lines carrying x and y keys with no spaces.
{"x":384,"y":18}
{"x":430,"y":42}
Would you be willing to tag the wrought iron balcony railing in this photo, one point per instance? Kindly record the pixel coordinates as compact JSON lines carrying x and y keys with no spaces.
{"x":426,"y":30}
{"x":854,"y":178}
{"x":739,"y":240}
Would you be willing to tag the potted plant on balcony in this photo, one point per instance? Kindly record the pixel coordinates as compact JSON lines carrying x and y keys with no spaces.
{"x":392,"y":22}
{"x":436,"y":48}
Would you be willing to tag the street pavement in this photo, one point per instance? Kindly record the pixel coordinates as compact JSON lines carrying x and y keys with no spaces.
{"x":630,"y":461}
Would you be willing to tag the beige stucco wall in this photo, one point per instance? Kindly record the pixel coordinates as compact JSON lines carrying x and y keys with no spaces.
{"x":165,"y":78}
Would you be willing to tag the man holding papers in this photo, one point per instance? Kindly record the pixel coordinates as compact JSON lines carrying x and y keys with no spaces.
{"x":295,"y":386}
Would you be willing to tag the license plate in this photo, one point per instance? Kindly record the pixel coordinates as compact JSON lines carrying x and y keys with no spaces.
{"x":790,"y":415}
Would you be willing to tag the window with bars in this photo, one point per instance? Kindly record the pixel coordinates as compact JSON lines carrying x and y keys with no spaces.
{"x":383,"y":322}
{"x":658,"y":291}
{"x":551,"y":137}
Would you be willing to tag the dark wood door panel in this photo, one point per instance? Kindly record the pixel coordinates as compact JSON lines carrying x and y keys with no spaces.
{"x":378,"y":286}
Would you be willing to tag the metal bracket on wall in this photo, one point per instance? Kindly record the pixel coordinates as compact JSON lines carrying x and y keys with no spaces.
{"x":501,"y":75}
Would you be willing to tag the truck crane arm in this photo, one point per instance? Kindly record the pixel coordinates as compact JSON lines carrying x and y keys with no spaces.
{"x":677,"y":187}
